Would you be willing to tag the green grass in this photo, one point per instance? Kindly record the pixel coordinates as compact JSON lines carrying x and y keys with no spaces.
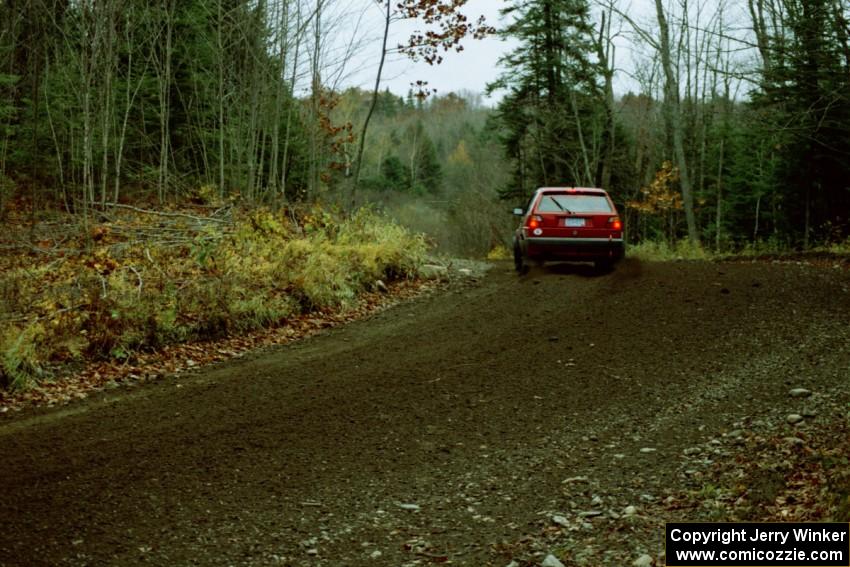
{"x":661,"y":251}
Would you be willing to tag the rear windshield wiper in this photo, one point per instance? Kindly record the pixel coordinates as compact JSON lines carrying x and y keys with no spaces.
{"x":557,"y":204}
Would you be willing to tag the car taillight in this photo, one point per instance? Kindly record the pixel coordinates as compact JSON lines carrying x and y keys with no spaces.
{"x":615,"y":223}
{"x":535,"y":221}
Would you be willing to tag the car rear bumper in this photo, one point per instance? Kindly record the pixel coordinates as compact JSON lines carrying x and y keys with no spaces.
{"x":543,"y":248}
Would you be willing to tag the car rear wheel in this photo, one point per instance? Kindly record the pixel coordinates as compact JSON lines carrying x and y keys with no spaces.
{"x":520,"y":264}
{"x":604,"y":266}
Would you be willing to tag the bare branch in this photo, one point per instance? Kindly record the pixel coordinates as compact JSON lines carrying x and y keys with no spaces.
{"x":164,"y":214}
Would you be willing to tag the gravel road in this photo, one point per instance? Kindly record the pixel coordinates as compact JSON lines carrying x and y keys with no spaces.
{"x":493,"y":423}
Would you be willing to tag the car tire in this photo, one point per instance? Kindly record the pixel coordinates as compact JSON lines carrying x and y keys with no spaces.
{"x":603,"y":266}
{"x":520,"y":265}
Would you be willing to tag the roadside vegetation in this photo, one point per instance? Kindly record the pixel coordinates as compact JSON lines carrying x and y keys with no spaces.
{"x":141,"y":280}
{"x":663,"y":251}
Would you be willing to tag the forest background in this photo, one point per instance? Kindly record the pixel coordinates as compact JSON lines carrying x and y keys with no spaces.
{"x":737,"y":132}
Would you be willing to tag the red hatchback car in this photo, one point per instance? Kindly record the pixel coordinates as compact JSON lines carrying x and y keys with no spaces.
{"x":569,"y":224}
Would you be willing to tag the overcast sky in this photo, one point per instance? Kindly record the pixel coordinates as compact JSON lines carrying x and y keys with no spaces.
{"x":477,"y":64}
{"x":470,"y":70}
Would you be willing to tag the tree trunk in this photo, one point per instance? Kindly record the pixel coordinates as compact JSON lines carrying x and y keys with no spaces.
{"x":129,"y":100}
{"x":285,"y":161}
{"x":221,"y":63}
{"x":283,"y":30}
{"x":358,"y":164}
{"x":756,"y":8}
{"x":674,"y":122}
{"x":315,"y":99}
{"x":606,"y":50}
{"x":107,"y":20}
{"x":588,"y":176}
{"x":719,"y":216}
{"x":164,"y":104}
{"x":758,"y":212}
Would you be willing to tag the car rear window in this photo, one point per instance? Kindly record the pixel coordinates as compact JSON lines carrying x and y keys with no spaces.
{"x":573,"y":203}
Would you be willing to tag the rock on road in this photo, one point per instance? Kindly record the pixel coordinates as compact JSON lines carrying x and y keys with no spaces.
{"x":438,"y":431}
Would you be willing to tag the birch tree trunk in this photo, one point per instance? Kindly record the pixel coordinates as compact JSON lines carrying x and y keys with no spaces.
{"x":673,"y":116}
{"x":288,"y":131}
{"x":164,"y":101}
{"x":315,"y":100}
{"x":276,"y":188}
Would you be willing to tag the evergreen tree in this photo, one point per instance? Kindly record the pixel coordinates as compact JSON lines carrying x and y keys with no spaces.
{"x":549,"y":113}
{"x":395,"y":176}
{"x":429,"y":168}
{"x":426,"y":171}
{"x":805,"y":98}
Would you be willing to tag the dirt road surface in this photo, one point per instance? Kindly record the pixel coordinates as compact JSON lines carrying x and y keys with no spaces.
{"x":447,"y":430}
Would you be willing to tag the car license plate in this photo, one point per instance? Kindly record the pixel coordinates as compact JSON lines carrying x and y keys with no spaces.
{"x":573,"y":222}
